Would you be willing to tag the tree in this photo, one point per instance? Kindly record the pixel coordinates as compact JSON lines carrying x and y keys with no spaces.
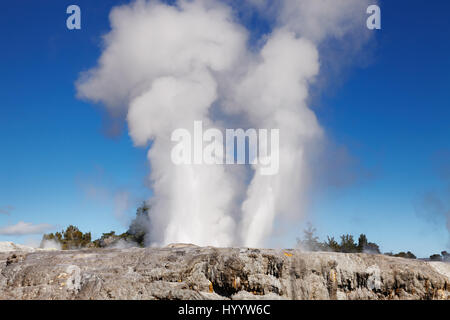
{"x":367,"y":247}
{"x":137,"y":232}
{"x":310,"y":241}
{"x":362,"y":243}
{"x":372,"y":248}
{"x":106,"y":240}
{"x":332,"y":244}
{"x":407,"y":255}
{"x":71,"y":238}
{"x":138,"y":229}
{"x":436,"y":257}
{"x":348,"y":244}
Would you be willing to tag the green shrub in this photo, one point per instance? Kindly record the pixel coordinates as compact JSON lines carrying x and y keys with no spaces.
{"x":436,"y":257}
{"x":407,"y":255}
{"x":71,"y":238}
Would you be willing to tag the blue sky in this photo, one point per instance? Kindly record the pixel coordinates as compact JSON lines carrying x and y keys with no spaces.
{"x":59,"y":165}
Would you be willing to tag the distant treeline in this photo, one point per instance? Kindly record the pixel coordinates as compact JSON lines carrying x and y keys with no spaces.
{"x":347,"y":244}
{"x":73,"y":238}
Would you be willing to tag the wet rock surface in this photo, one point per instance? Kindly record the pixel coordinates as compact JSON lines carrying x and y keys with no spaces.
{"x":190,"y":272}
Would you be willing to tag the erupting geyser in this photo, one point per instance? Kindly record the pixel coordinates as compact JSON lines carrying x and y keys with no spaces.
{"x":167,"y":66}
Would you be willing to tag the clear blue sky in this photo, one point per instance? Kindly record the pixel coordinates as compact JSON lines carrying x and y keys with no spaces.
{"x":59,"y":166}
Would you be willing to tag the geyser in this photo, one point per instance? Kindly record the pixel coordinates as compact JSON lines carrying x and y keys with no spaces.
{"x":166,"y":66}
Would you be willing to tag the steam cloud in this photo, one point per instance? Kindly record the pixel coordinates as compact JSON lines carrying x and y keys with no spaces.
{"x":434,"y":205}
{"x":166,"y":66}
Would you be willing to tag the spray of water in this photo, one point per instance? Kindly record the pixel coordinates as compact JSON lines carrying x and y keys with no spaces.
{"x":166,"y":66}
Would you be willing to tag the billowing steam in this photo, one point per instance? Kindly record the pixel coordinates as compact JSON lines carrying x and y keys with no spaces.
{"x":166,"y":66}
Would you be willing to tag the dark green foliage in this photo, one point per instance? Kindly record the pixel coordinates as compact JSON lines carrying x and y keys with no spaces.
{"x":103,"y":241}
{"x":136,"y":233}
{"x":444,"y":256}
{"x":71,"y":238}
{"x":332,"y":244}
{"x":362,"y":243}
{"x":372,"y":248}
{"x":347,"y":244}
{"x":139,"y":226}
{"x":367,"y":247}
{"x":407,"y":255}
{"x":111,"y":238}
{"x":436,"y":257}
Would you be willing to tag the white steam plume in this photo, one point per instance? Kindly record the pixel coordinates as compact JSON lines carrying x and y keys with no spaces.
{"x":165,"y":66}
{"x":272,"y":95}
{"x":159,"y":62}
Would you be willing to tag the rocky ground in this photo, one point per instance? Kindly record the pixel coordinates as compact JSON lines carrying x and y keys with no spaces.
{"x":189,"y":272}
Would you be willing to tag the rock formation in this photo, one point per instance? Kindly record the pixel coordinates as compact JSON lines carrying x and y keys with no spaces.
{"x":190,"y":272}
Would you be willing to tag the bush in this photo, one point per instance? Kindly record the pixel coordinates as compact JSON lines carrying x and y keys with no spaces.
{"x":71,"y":238}
{"x":436,"y":257}
{"x":332,"y":245}
{"x":138,"y":230}
{"x":372,"y":248}
{"x":407,"y":255}
{"x":366,"y":246}
{"x":362,"y":243}
{"x":347,"y":244}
